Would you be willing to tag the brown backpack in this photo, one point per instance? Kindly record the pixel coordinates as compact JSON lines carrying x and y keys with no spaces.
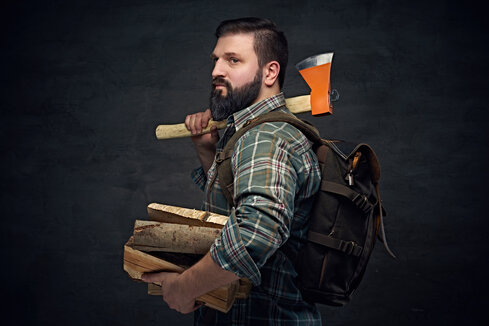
{"x":345,"y":219}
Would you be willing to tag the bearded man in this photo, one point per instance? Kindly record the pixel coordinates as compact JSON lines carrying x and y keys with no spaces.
{"x":275,"y":174}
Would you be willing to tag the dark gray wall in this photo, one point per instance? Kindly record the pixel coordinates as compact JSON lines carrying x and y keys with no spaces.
{"x":83,"y":85}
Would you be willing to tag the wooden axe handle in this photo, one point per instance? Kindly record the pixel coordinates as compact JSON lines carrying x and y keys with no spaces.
{"x":296,"y":105}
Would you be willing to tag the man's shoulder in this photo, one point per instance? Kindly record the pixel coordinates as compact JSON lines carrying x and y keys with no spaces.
{"x":276,"y":132}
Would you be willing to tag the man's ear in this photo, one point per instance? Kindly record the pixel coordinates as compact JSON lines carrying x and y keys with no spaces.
{"x":270,"y":73}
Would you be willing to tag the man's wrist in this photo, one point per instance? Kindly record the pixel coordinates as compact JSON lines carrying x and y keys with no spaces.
{"x":185,"y":283}
{"x":204,"y":147}
{"x":206,"y":156}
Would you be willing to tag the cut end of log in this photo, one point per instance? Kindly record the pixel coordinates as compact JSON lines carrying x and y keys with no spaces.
{"x":137,"y":262}
{"x":175,"y":239}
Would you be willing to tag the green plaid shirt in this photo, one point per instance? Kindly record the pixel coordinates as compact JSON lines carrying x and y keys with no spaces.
{"x":276,"y":175}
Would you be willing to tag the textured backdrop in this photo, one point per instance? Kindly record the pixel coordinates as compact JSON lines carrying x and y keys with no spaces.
{"x":84,"y":83}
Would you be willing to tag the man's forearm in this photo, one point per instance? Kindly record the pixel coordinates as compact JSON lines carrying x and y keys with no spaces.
{"x":181,"y":290}
{"x":205,"y":276}
{"x":206,"y":156}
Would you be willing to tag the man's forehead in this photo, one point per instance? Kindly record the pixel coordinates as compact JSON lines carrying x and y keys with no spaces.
{"x":242,"y":43}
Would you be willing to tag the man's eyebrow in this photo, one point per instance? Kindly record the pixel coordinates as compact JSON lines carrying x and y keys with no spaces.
{"x":227,"y":54}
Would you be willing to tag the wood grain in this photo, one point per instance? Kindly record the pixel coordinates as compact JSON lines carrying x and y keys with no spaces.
{"x":137,"y":262}
{"x":296,"y":105}
{"x":178,"y":215}
{"x":167,"y":237}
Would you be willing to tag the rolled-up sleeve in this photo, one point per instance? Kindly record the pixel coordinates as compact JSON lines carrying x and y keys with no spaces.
{"x":229,"y":252}
{"x":264,"y":189}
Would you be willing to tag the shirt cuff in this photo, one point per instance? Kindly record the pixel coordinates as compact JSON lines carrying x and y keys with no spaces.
{"x":229,"y":252}
{"x":199,"y":178}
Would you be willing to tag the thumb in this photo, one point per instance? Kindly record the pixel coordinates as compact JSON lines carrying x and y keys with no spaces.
{"x":153,"y":277}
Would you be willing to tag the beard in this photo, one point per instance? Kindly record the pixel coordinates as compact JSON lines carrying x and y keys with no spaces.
{"x":236,"y":99}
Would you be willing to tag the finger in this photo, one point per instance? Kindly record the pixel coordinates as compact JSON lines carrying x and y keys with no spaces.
{"x":198,"y":123}
{"x":192,"y":124}
{"x":197,"y":305}
{"x":189,"y":309}
{"x":208,"y":113}
{"x":153,"y":277}
{"x":187,"y":121}
{"x":206,"y":117}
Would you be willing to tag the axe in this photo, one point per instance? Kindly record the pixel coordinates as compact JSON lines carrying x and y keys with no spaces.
{"x":316,"y":72}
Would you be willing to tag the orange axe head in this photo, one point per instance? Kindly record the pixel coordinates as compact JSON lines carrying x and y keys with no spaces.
{"x":316,"y":72}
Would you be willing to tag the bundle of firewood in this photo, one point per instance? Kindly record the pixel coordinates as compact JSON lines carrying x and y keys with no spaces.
{"x":174,"y":239}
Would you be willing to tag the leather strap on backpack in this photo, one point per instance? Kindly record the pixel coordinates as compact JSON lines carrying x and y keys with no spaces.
{"x":361,"y":201}
{"x":381,"y":222}
{"x":226,"y":177}
{"x":348,"y":247}
{"x":224,"y":171}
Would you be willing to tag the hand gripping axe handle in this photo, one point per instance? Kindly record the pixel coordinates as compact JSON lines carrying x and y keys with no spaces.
{"x":316,"y":72}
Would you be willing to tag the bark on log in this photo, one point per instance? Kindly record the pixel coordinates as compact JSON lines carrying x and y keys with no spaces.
{"x":158,"y":236}
{"x":190,"y":234}
{"x":137,"y":262}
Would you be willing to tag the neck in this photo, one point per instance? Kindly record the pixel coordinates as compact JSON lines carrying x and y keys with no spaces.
{"x":266,"y":92}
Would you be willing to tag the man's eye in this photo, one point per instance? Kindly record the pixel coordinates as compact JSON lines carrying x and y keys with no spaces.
{"x":234,"y":60}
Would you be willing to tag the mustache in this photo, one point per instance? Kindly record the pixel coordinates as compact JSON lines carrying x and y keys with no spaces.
{"x":219,"y":81}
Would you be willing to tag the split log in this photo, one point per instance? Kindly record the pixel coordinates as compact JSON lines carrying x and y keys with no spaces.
{"x":244,"y":288}
{"x":217,"y":299}
{"x":178,"y":215}
{"x":137,"y":262}
{"x":175,"y":248}
{"x":158,"y":236}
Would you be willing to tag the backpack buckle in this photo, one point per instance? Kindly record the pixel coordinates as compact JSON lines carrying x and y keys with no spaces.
{"x":362,"y":202}
{"x":246,"y":124}
{"x":219,"y":157}
{"x":349,"y":247}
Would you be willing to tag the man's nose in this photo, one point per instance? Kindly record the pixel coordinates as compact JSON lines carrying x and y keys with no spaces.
{"x":218,"y":70}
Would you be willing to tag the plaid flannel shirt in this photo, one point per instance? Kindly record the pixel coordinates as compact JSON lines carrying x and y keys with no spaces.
{"x":276,"y":175}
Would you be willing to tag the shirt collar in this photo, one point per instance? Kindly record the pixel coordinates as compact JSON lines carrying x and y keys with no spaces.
{"x":257,"y":109}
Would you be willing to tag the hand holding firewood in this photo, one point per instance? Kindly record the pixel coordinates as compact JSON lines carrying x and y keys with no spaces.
{"x":174,"y":292}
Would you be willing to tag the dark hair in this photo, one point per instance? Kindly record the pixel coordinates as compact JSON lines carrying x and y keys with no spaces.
{"x":269,"y":44}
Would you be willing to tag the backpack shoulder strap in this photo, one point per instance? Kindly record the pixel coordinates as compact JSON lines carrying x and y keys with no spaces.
{"x":223,"y":158}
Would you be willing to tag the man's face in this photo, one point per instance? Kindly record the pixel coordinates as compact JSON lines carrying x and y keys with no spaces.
{"x":236,"y":77}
